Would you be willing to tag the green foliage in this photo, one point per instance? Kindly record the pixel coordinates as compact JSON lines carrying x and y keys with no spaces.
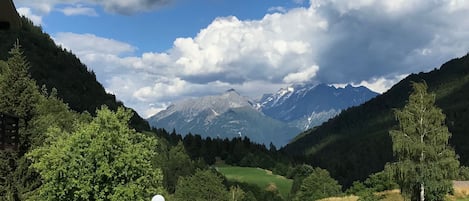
{"x":51,"y":111}
{"x":202,"y":186}
{"x":236,"y":193}
{"x":254,"y":192}
{"x":298,"y":174}
{"x":177,"y":164}
{"x":369,"y":196}
{"x":19,"y":92}
{"x":19,"y":97}
{"x":364,"y":193}
{"x":378,"y":182}
{"x":100,"y":160}
{"x":236,"y":151}
{"x":7,"y":166}
{"x":381,"y":181}
{"x":420,"y":144}
{"x":357,"y":188}
{"x":317,"y":185}
{"x":259,"y":177}
{"x":56,"y":67}
{"x":463,"y":173}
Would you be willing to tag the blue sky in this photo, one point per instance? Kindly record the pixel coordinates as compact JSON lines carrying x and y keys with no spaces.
{"x":156,"y":30}
{"x":150,"y":53}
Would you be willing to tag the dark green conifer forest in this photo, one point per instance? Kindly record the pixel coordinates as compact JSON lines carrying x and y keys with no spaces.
{"x":356,"y":143}
{"x":56,"y":67}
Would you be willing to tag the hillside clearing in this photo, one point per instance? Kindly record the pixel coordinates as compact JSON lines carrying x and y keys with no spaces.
{"x":260,"y":177}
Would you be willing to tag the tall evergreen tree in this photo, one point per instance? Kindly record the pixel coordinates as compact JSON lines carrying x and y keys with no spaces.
{"x":19,"y":96}
{"x":425,"y":162}
{"x":177,"y":164}
{"x":19,"y":92}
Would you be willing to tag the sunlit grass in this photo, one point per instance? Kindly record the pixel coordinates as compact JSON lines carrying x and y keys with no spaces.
{"x":346,"y":198}
{"x":260,"y":177}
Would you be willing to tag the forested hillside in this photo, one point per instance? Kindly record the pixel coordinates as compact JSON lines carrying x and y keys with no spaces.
{"x":58,"y":68}
{"x":356,"y":143}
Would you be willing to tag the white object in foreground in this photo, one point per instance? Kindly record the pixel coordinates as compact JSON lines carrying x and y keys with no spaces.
{"x":157,"y":198}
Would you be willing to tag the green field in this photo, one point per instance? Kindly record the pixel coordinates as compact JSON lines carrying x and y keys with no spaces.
{"x":257,"y":176}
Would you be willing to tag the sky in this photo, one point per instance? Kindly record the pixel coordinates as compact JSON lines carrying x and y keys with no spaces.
{"x":151,"y":53}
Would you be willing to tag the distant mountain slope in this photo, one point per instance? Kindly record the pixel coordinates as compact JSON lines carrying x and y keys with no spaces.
{"x":309,"y":105}
{"x":226,"y":116}
{"x":55,"y":67}
{"x":356,"y":142}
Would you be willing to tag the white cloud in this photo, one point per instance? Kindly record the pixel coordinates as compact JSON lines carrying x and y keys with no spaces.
{"x":302,"y":76}
{"x":36,"y":19}
{"x":125,"y":7}
{"x":279,"y":9}
{"x":365,"y":42}
{"x":87,"y":44}
{"x":164,"y":88}
{"x":381,"y":84}
{"x":79,"y":10}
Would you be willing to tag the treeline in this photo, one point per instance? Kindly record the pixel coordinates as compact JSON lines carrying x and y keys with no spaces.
{"x":66,"y":155}
{"x":72,"y":148}
{"x":56,"y":67}
{"x":235,"y":151}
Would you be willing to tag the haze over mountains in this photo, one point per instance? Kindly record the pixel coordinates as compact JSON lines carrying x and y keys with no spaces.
{"x":275,"y":118}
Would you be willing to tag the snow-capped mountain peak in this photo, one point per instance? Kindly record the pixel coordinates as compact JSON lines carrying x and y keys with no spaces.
{"x":307,"y":105}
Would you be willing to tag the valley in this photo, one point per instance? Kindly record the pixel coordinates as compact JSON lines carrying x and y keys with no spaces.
{"x":241,"y":111}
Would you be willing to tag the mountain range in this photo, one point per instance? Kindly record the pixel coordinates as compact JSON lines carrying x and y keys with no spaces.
{"x":275,"y":118}
{"x":307,"y":105}
{"x":224,"y":116}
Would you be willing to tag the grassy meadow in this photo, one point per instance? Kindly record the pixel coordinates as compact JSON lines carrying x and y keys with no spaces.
{"x":260,"y":177}
{"x":461,"y":193}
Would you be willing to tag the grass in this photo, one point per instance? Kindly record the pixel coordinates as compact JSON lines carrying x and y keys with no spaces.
{"x":461,"y":193}
{"x":260,"y":177}
{"x":346,"y":198}
{"x":388,"y":196}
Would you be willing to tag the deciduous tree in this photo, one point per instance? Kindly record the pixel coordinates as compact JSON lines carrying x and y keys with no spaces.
{"x":202,"y":186}
{"x":319,"y":184}
{"x":425,"y":162}
{"x":100,"y":160}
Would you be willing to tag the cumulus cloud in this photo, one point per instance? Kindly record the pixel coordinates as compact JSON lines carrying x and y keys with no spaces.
{"x":128,"y":7}
{"x":302,"y":76}
{"x":36,"y":19}
{"x":86,"y":44}
{"x":125,"y":7}
{"x":381,"y":84}
{"x":79,"y":10}
{"x":363,"y":42}
{"x":279,"y":9}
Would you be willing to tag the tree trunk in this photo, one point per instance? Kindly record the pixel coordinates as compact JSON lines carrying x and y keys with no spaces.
{"x":422,"y":192}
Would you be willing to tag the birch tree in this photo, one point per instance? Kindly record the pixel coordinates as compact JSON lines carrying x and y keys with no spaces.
{"x":425,"y":162}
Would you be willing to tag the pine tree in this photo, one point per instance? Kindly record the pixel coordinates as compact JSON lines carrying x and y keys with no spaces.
{"x":19,"y":92}
{"x":425,"y":162}
{"x":19,"y":96}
